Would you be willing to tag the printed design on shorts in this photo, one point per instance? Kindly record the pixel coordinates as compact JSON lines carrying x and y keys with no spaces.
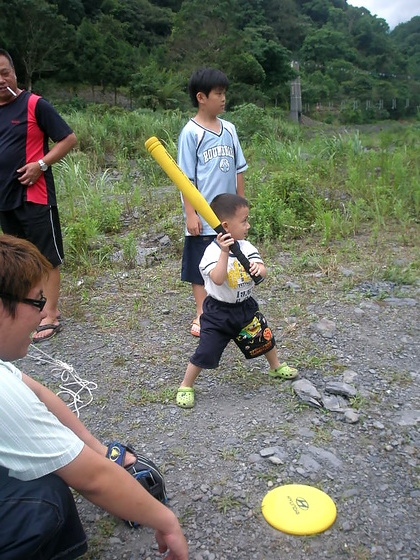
{"x":256,"y":338}
{"x":252,"y":330}
{"x":267,"y":334}
{"x":237,"y":275}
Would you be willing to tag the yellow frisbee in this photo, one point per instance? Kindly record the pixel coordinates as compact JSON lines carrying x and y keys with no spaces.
{"x":298,"y":509}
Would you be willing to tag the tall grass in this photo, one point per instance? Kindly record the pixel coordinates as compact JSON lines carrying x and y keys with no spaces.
{"x":104,"y":132}
{"x":301,"y":181}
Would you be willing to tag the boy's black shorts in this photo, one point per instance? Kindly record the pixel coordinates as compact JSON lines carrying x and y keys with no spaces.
{"x":194,"y":247}
{"x":222,"y":322}
{"x":39,"y":224}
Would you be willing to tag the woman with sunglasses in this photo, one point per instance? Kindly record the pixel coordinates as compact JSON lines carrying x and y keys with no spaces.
{"x":45,"y":449}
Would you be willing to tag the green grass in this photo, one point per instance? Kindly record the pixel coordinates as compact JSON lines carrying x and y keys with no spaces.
{"x":331,"y":186}
{"x":141,"y":396}
{"x":228,"y":454}
{"x":104,"y":529}
{"x":226,"y":503}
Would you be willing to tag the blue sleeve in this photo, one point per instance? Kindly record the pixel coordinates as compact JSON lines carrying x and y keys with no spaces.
{"x":187,"y":157}
{"x":240,"y":161}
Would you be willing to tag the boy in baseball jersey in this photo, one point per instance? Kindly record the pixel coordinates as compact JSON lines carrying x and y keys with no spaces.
{"x":211,"y":156}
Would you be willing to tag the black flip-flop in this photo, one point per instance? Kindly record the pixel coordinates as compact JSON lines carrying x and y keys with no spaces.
{"x":49,"y":327}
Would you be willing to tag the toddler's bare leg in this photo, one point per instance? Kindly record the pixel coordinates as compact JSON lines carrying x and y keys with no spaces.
{"x":191,"y":375}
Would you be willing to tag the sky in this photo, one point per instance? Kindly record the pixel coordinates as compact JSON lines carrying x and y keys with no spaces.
{"x":392,"y":11}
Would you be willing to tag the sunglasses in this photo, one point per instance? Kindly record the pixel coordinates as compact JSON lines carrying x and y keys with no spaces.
{"x":38,"y":303}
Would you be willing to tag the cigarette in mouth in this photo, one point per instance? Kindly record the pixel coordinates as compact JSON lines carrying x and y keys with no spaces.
{"x":11,"y":91}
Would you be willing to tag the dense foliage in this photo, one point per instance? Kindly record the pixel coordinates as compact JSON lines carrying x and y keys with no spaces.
{"x":322,"y":184}
{"x":146,"y":49}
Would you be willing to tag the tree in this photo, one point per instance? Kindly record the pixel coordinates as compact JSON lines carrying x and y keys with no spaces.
{"x":72,"y":10}
{"x":318,"y":11}
{"x":289,"y":25}
{"x":37,"y":36}
{"x":92,"y":7}
{"x":125,"y":42}
{"x":200,"y":30}
{"x":326,"y":44}
{"x":91,"y":60}
{"x":407,"y":36}
{"x":370,"y":35}
{"x":174,"y":5}
{"x":230,"y":35}
{"x":144,"y":22}
{"x":117,"y":65}
{"x":156,"y":87}
{"x":105,"y":58}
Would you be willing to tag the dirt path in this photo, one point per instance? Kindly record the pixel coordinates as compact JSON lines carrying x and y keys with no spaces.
{"x":248,"y":433}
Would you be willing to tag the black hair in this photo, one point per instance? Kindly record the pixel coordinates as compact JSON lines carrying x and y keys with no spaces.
{"x":21,"y":268}
{"x":204,"y":80}
{"x":7,"y":55}
{"x":225,"y":205}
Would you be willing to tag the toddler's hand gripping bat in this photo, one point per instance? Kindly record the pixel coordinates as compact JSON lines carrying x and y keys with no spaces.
{"x":193,"y":195}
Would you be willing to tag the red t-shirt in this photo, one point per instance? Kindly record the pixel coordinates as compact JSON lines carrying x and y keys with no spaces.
{"x":26,"y":124}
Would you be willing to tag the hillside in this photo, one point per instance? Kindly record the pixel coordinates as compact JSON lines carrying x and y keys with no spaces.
{"x":349,"y":60}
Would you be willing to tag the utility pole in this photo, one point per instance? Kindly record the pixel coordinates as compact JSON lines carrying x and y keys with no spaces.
{"x":295,"y":96}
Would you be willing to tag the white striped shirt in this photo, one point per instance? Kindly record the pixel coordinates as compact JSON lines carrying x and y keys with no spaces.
{"x":33,"y":441}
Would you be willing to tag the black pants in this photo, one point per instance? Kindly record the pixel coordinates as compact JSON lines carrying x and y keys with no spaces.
{"x":39,"y":224}
{"x":222,"y":322}
{"x":39,"y":520}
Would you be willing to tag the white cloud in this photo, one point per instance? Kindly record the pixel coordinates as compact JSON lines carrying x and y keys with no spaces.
{"x":392,"y":11}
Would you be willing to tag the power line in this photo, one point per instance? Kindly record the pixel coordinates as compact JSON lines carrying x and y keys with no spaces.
{"x":355,"y":70}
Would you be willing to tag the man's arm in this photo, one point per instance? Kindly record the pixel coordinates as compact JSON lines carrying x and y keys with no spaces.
{"x":60,"y":149}
{"x":31,"y":172}
{"x":112,"y":488}
{"x":109,"y":486}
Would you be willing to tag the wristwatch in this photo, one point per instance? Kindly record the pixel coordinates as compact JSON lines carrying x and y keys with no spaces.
{"x":42,"y":165}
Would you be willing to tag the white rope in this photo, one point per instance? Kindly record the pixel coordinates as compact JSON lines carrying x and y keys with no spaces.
{"x":72,"y":383}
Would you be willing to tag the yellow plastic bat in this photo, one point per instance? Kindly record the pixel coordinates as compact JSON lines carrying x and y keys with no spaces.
{"x":193,"y":195}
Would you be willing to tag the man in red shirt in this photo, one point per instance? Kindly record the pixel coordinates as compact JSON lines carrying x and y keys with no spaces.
{"x":28,"y":205}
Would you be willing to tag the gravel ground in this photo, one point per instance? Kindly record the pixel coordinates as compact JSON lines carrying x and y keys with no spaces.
{"x":128,"y":332}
